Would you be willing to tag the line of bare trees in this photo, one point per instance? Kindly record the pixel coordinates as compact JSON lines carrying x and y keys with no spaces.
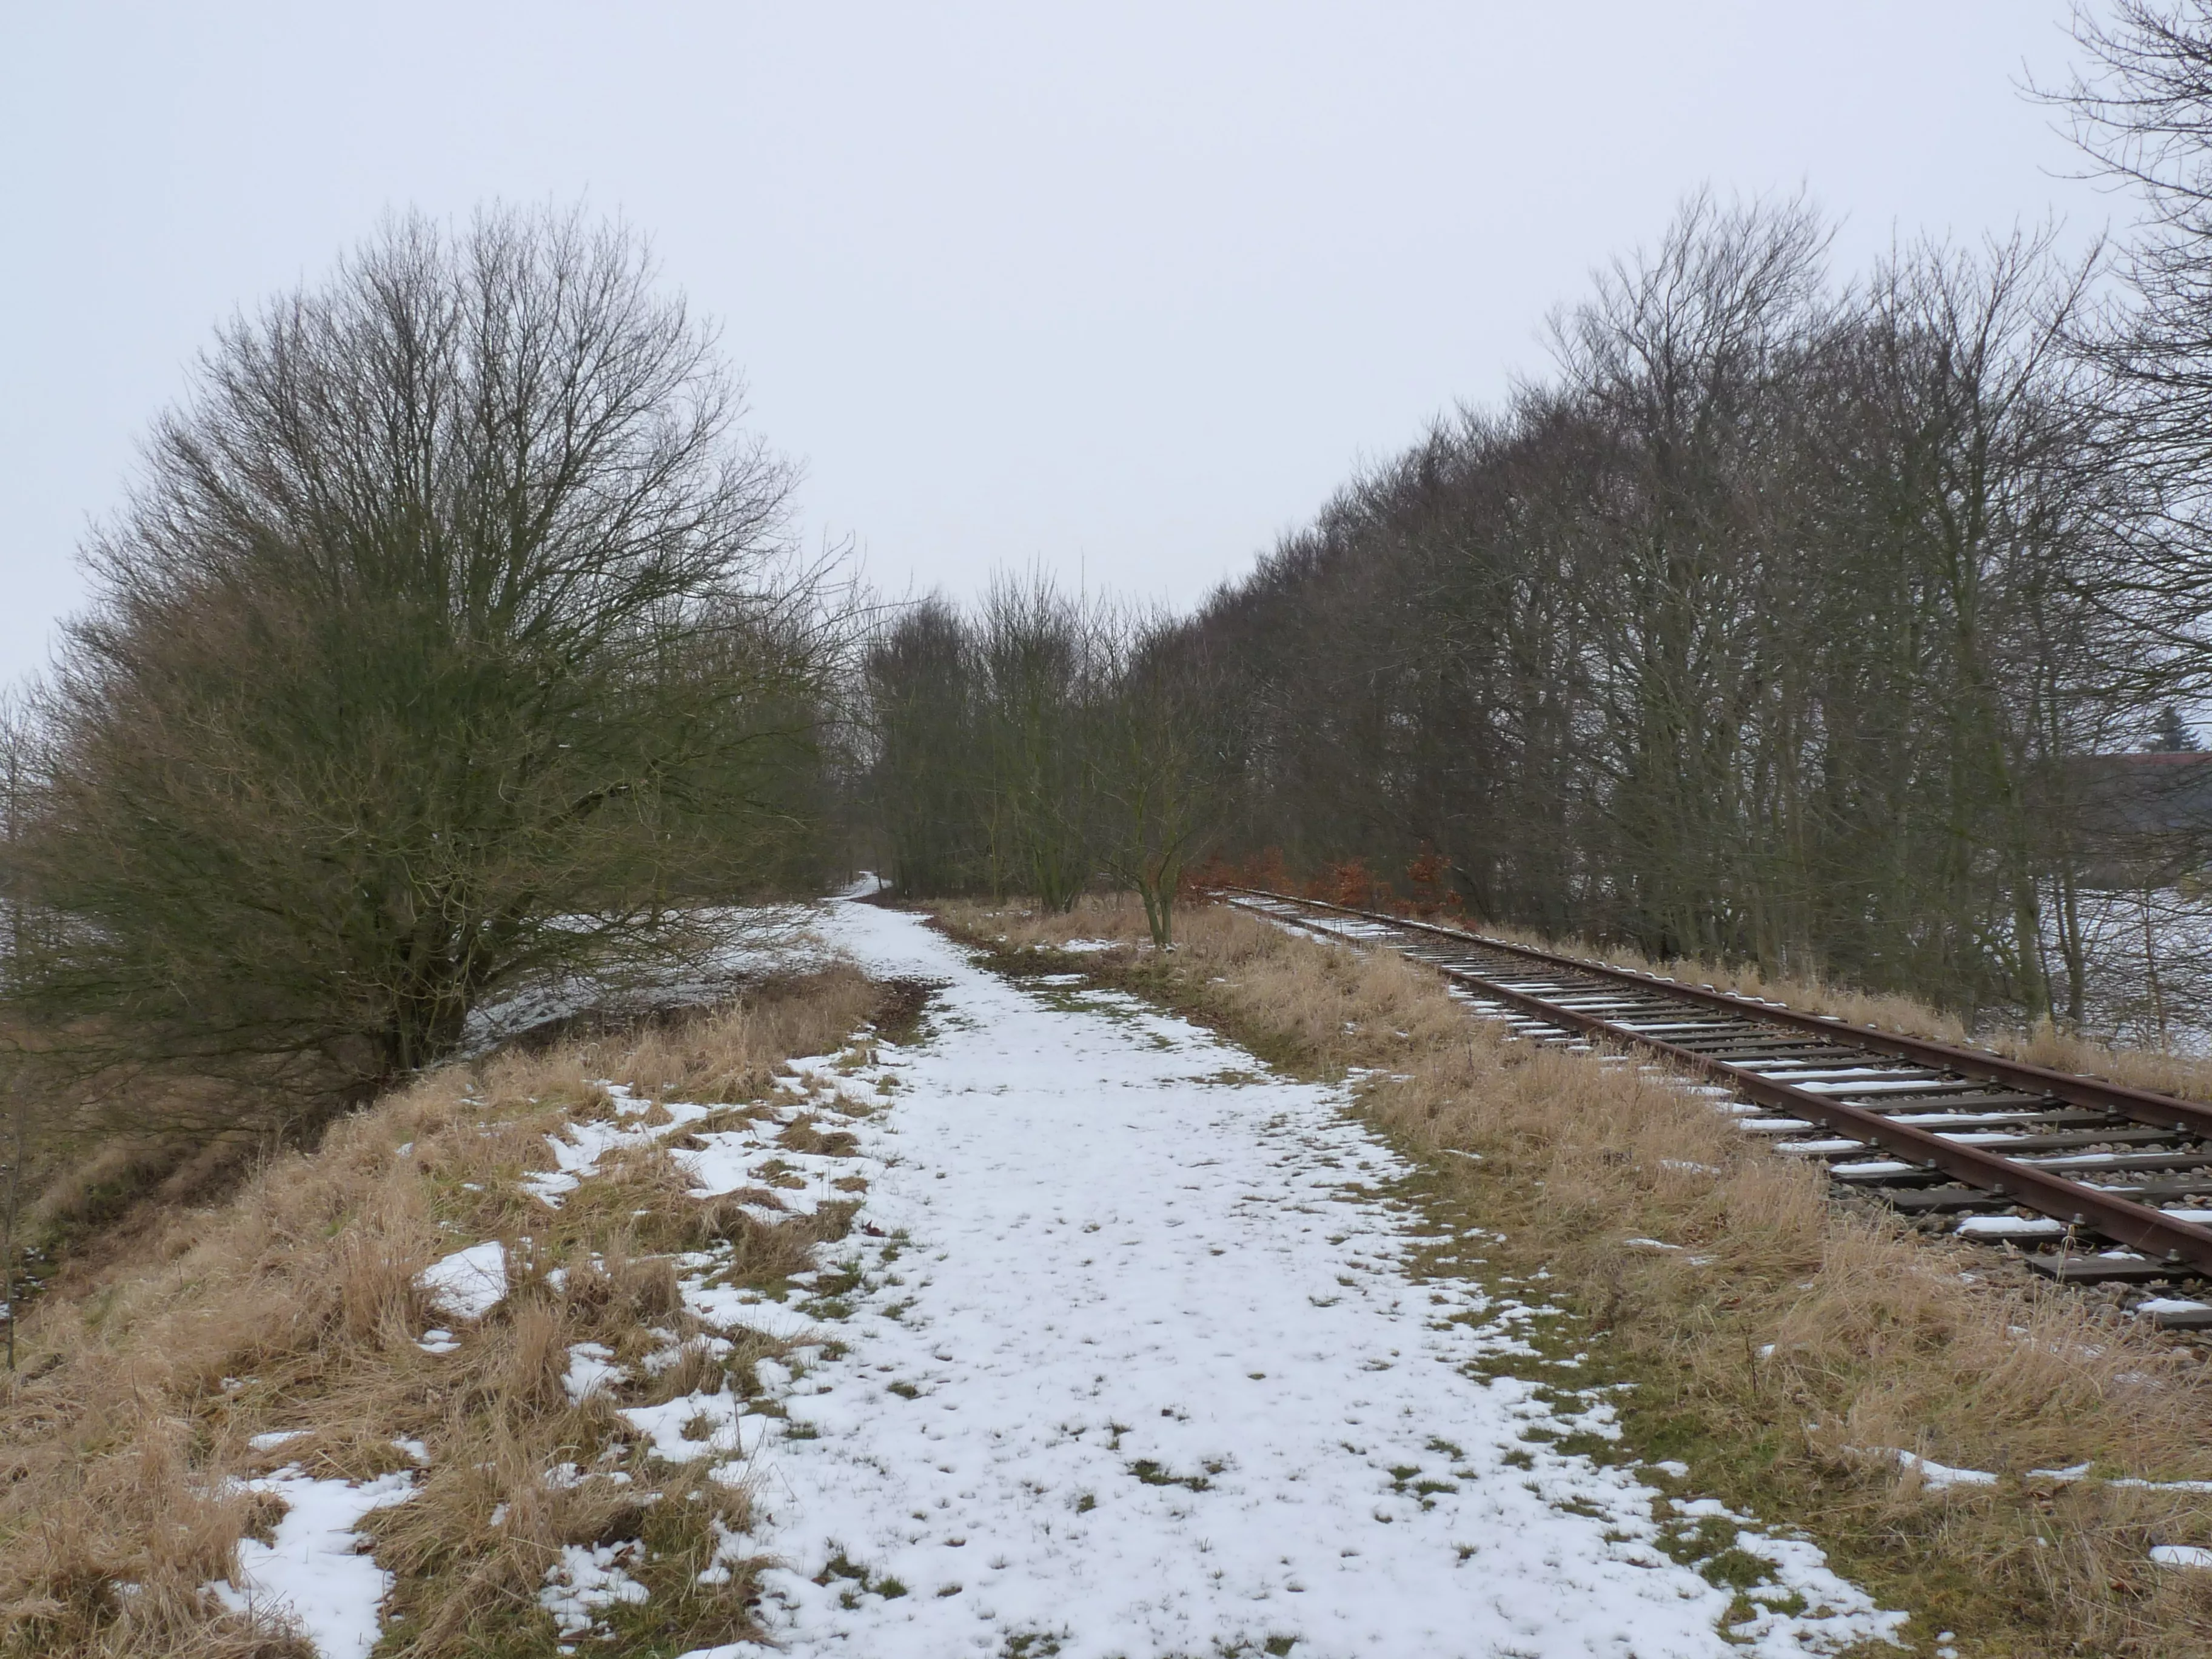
{"x":1764,"y":629}
{"x":1779,"y":622}
{"x":1043,"y":742}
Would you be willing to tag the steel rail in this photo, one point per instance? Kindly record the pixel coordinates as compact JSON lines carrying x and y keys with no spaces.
{"x":2160,"y":1111}
{"x":2033,"y":1188}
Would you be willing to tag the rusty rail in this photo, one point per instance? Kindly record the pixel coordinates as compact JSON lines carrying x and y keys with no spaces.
{"x":2137,"y":1225}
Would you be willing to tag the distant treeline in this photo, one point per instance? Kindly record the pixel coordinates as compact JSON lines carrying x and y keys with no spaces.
{"x":1773,"y":624}
{"x":1045,"y":741}
{"x":1764,"y":629}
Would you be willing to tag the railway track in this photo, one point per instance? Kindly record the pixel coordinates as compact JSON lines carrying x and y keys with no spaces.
{"x":2096,"y":1183}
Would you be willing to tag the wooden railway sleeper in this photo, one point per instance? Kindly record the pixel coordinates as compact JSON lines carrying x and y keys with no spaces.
{"x":2028,"y":1185}
{"x":2184,"y":1116}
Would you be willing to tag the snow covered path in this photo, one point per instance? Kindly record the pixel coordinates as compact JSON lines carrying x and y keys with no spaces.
{"x":1144,"y":1377}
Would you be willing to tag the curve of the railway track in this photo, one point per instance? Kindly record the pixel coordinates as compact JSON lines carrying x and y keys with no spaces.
{"x":2093,"y":1181}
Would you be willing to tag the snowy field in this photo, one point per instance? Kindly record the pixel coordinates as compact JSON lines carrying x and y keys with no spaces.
{"x":1136,"y":1369}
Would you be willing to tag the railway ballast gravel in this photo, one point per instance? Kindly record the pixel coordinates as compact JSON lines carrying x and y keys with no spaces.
{"x":2094,"y":1182}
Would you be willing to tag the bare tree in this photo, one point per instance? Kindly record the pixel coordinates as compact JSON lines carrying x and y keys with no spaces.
{"x":17,"y":740}
{"x":1676,"y":355}
{"x":2142,"y":111}
{"x":1154,"y":746}
{"x":449,"y":641}
{"x":1038,"y":649}
{"x":927,"y":779}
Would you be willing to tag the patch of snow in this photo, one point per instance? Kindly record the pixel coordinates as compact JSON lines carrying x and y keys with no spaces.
{"x":734,"y":1160}
{"x":468,"y":1284}
{"x":2082,"y":1470}
{"x":1936,"y":1477}
{"x":735,"y":1309}
{"x":275,"y":1439}
{"x":2162,"y":1486}
{"x":774,"y":1376}
{"x":668,"y":1357}
{"x":587,"y":1579}
{"x":566,"y":1477}
{"x":438,"y":1342}
{"x":578,"y":1147}
{"x":311,"y":1570}
{"x":2181,"y":1555}
{"x":2010,"y":1226}
{"x":1814,"y":1148}
{"x":591,"y":1368}
{"x":728,"y":1432}
{"x":752,"y":941}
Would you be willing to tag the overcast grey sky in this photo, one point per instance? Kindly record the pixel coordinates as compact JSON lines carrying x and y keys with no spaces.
{"x":1125,"y":289}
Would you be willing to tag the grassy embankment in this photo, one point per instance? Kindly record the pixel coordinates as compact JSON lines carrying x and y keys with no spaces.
{"x":294,"y":1305}
{"x":1790,"y":1344}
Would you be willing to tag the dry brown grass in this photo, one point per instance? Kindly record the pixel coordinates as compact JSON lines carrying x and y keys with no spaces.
{"x":294,"y":1305}
{"x":1878,"y":1338}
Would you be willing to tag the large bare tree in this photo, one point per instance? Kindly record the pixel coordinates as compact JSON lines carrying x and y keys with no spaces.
{"x":2142,"y":109}
{"x":449,"y":641}
{"x":1156,"y":751}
